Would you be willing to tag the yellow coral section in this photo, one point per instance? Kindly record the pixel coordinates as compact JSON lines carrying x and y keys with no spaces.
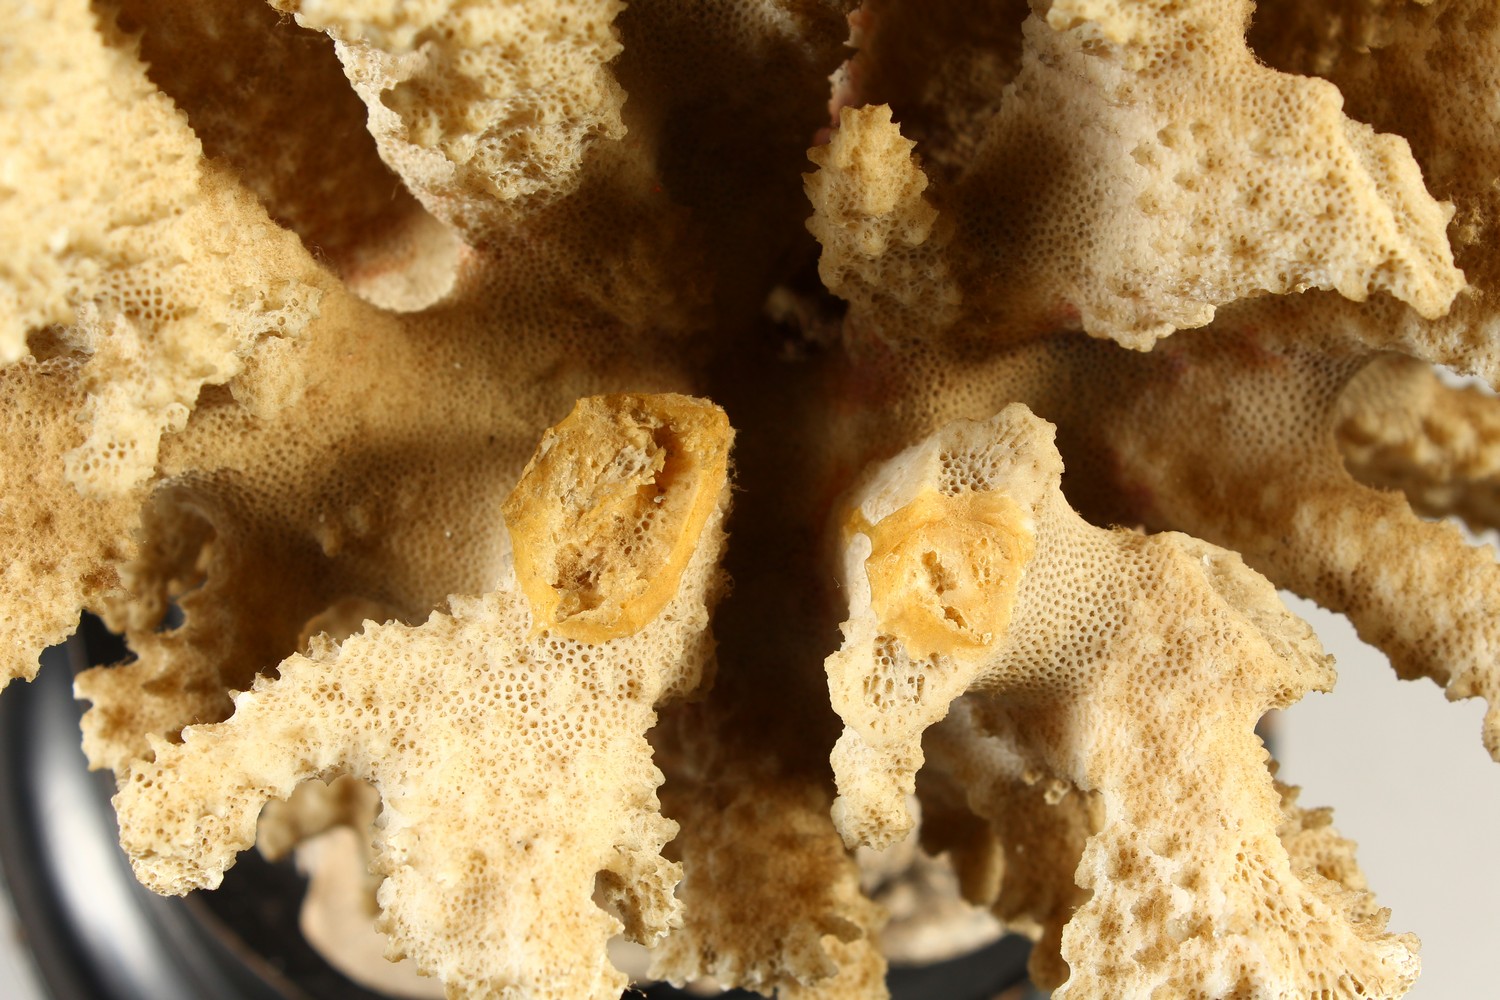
{"x":602,"y":563}
{"x":944,"y":571}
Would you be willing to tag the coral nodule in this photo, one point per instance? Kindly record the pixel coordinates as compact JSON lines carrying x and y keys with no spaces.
{"x":646,"y":457}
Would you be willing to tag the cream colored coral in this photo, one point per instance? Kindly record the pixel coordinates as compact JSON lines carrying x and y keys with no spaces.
{"x":1143,"y":169}
{"x":879,"y":231}
{"x":945,"y":64}
{"x":282,"y":496}
{"x":929,"y":921}
{"x":1271,"y":482}
{"x":1232,"y":434}
{"x":897,"y":670}
{"x":59,"y":551}
{"x":580,"y":244}
{"x":144,"y":257}
{"x":785,"y":915}
{"x":313,"y":809}
{"x":1192,"y":891}
{"x":335,"y":921}
{"x":1013,"y":829}
{"x":1402,"y":427}
{"x":512,"y":765}
{"x":1429,"y":72}
{"x":480,"y":105}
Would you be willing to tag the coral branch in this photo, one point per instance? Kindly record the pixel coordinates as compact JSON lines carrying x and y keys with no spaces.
{"x":477,"y":106}
{"x":1143,"y":169}
{"x":1148,"y":693}
{"x":1287,"y":502}
{"x":881,"y":250}
{"x":516,"y":779}
{"x":161,"y":268}
{"x":1428,"y":72}
{"x":273,"y":351}
{"x":1232,"y":435}
{"x":1401,"y":427}
{"x":1015,"y":831}
{"x":322,"y":177}
{"x":59,"y":550}
{"x":787,"y":915}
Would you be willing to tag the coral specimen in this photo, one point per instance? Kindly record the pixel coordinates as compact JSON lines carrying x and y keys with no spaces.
{"x":533,"y":76}
{"x":1143,"y":168}
{"x":362,"y":364}
{"x":494,"y":697}
{"x":1091,"y":686}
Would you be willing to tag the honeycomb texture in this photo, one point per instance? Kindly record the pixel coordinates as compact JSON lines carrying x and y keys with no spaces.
{"x":278,"y":502}
{"x":514,"y":774}
{"x":1192,"y":890}
{"x":1014,"y":831}
{"x":293,"y":291}
{"x":1232,"y":434}
{"x":479,"y":105}
{"x":744,"y":898}
{"x":166,"y":272}
{"x":1142,"y":169}
{"x":875,"y":226}
{"x":61,"y":550}
{"x":313,"y":808}
{"x":1314,"y":528}
{"x":1431,"y":73}
{"x":1402,"y":427}
{"x":323,"y":178}
{"x":945,"y":64}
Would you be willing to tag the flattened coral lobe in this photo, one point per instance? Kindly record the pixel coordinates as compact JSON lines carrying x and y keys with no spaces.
{"x":1143,"y":170}
{"x":944,"y":570}
{"x":606,"y":516}
{"x":512,"y":763}
{"x":1135,"y":667}
{"x":480,"y":108}
{"x":1429,"y":72}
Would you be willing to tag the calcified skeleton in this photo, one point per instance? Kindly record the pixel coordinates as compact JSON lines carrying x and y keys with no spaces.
{"x":389,"y":343}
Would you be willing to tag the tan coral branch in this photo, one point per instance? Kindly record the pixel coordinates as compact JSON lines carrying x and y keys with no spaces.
{"x":1428,"y":71}
{"x":1143,"y":169}
{"x":1415,"y":589}
{"x":512,"y":763}
{"x":158,"y":265}
{"x":1136,"y":667}
{"x":1402,"y":427}
{"x":480,"y":107}
{"x":59,"y":551}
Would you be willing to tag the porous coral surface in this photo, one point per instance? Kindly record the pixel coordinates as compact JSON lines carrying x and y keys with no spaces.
{"x":656,"y":446}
